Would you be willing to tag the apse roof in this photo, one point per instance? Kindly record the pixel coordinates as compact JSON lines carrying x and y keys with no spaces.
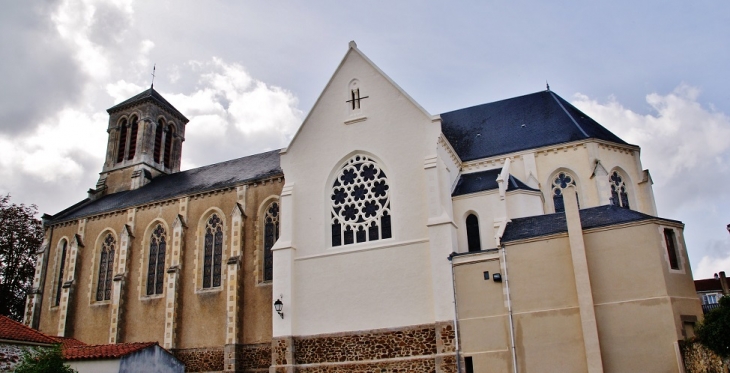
{"x":485,"y":180}
{"x":149,"y":95}
{"x":525,"y":122}
{"x":197,"y":180}
{"x":543,"y":225}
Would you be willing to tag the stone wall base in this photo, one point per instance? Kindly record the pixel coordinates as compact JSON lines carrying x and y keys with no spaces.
{"x":201,"y":359}
{"x":419,"y":348}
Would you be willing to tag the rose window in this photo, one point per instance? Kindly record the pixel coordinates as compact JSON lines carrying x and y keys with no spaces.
{"x":360,"y":209}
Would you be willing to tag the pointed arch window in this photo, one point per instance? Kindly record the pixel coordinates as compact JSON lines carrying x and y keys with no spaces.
{"x":106,"y":269}
{"x":472,"y":233}
{"x":213,"y":252}
{"x":560,"y":183}
{"x":122,"y":144}
{"x":360,"y":203}
{"x":169,"y":133}
{"x":619,"y":197}
{"x":132,"y":138}
{"x":271,"y":234}
{"x":158,"y":140}
{"x":156,"y":263}
{"x":61,"y":267}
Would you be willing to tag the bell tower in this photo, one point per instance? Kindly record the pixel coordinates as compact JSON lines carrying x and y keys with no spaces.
{"x":145,"y":140}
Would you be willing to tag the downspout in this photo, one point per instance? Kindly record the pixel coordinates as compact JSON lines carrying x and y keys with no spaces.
{"x":456,"y":315}
{"x":509,"y":311}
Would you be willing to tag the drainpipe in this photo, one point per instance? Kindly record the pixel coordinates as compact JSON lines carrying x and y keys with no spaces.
{"x":456,"y":314}
{"x":509,"y":310}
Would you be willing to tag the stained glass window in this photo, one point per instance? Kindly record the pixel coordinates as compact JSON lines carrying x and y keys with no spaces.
{"x":619,"y":197}
{"x":360,"y":203}
{"x":271,"y":234}
{"x":156,"y":265}
{"x":213,"y":252}
{"x":562,"y":181}
{"x":61,"y":267}
{"x":106,"y":269}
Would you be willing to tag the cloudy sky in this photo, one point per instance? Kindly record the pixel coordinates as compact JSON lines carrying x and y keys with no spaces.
{"x":246,"y":73}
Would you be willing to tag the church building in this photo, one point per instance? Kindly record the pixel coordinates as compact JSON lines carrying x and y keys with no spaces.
{"x":514,"y":236}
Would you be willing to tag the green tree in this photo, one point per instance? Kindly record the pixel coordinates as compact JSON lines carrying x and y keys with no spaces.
{"x":714,"y":332}
{"x":43,"y":360}
{"x":21,"y":234}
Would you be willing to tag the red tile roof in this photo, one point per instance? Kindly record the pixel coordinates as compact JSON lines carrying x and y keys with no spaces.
{"x":709,"y":284}
{"x":15,"y":331}
{"x":68,"y":342}
{"x":110,"y":351}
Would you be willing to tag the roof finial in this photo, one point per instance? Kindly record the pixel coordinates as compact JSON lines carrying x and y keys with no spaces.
{"x":153,"y":76}
{"x":547,"y":85}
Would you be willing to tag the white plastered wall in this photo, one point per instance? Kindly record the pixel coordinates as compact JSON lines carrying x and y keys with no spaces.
{"x":371,"y":285}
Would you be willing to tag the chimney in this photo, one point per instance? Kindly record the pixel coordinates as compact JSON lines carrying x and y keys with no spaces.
{"x":723,"y":283}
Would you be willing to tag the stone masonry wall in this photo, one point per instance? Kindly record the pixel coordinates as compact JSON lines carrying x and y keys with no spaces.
{"x":421,"y":348}
{"x":201,"y":359}
{"x":10,"y":356}
{"x":699,"y":359}
{"x":253,"y":357}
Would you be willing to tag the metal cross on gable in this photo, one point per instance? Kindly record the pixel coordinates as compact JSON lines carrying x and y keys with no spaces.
{"x":356,"y":98}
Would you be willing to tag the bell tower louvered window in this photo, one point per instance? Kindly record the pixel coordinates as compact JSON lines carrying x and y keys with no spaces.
{"x":360,"y":203}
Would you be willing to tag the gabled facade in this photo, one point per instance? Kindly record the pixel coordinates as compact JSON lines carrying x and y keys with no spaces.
{"x":380,"y":239}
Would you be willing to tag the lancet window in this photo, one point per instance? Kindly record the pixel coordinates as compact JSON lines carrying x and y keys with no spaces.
{"x":169,"y":133}
{"x":472,"y":233}
{"x":106,"y":268}
{"x":619,"y":197}
{"x":61,"y":267}
{"x":213,"y":252}
{"x":158,"y":140}
{"x":156,"y":263}
{"x":127,"y":145}
{"x":360,"y":203}
{"x":271,"y":234}
{"x":560,"y":183}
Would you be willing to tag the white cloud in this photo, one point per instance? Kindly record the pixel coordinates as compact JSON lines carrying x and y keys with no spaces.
{"x":686,"y":147}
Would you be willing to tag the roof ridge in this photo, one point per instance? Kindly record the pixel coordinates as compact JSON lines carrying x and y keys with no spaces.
{"x":568,"y":114}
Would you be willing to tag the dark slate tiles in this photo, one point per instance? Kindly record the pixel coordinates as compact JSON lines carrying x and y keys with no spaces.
{"x":485,"y":180}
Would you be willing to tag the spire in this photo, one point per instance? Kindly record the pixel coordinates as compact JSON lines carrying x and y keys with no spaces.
{"x":153,"y":76}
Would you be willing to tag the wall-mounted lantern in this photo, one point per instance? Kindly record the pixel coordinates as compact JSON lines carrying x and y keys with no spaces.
{"x":278,"y":305}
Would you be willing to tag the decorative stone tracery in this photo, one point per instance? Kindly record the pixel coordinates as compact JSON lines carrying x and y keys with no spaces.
{"x":360,"y":203}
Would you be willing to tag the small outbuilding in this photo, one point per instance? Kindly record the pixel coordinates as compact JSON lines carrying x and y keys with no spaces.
{"x":122,"y":358}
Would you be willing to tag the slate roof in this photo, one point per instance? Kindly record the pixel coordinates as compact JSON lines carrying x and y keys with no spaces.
{"x":543,"y":225}
{"x":197,"y":180}
{"x":485,"y":180}
{"x":149,"y":95}
{"x":519,"y":123}
{"x":109,"y":351}
{"x":15,"y":331}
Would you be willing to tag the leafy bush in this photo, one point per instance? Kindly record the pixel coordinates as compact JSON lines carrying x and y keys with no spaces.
{"x":43,"y":360}
{"x":714,"y":332}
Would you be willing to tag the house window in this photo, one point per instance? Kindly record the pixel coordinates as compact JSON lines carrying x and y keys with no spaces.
{"x":472,"y":233}
{"x":560,"y":183}
{"x":213,"y":252}
{"x":619,"y":197}
{"x":671,"y":241}
{"x":271,"y":234}
{"x":106,"y":269}
{"x":156,"y":263}
{"x":360,"y":207}
{"x":709,"y":298}
{"x":61,"y":267}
